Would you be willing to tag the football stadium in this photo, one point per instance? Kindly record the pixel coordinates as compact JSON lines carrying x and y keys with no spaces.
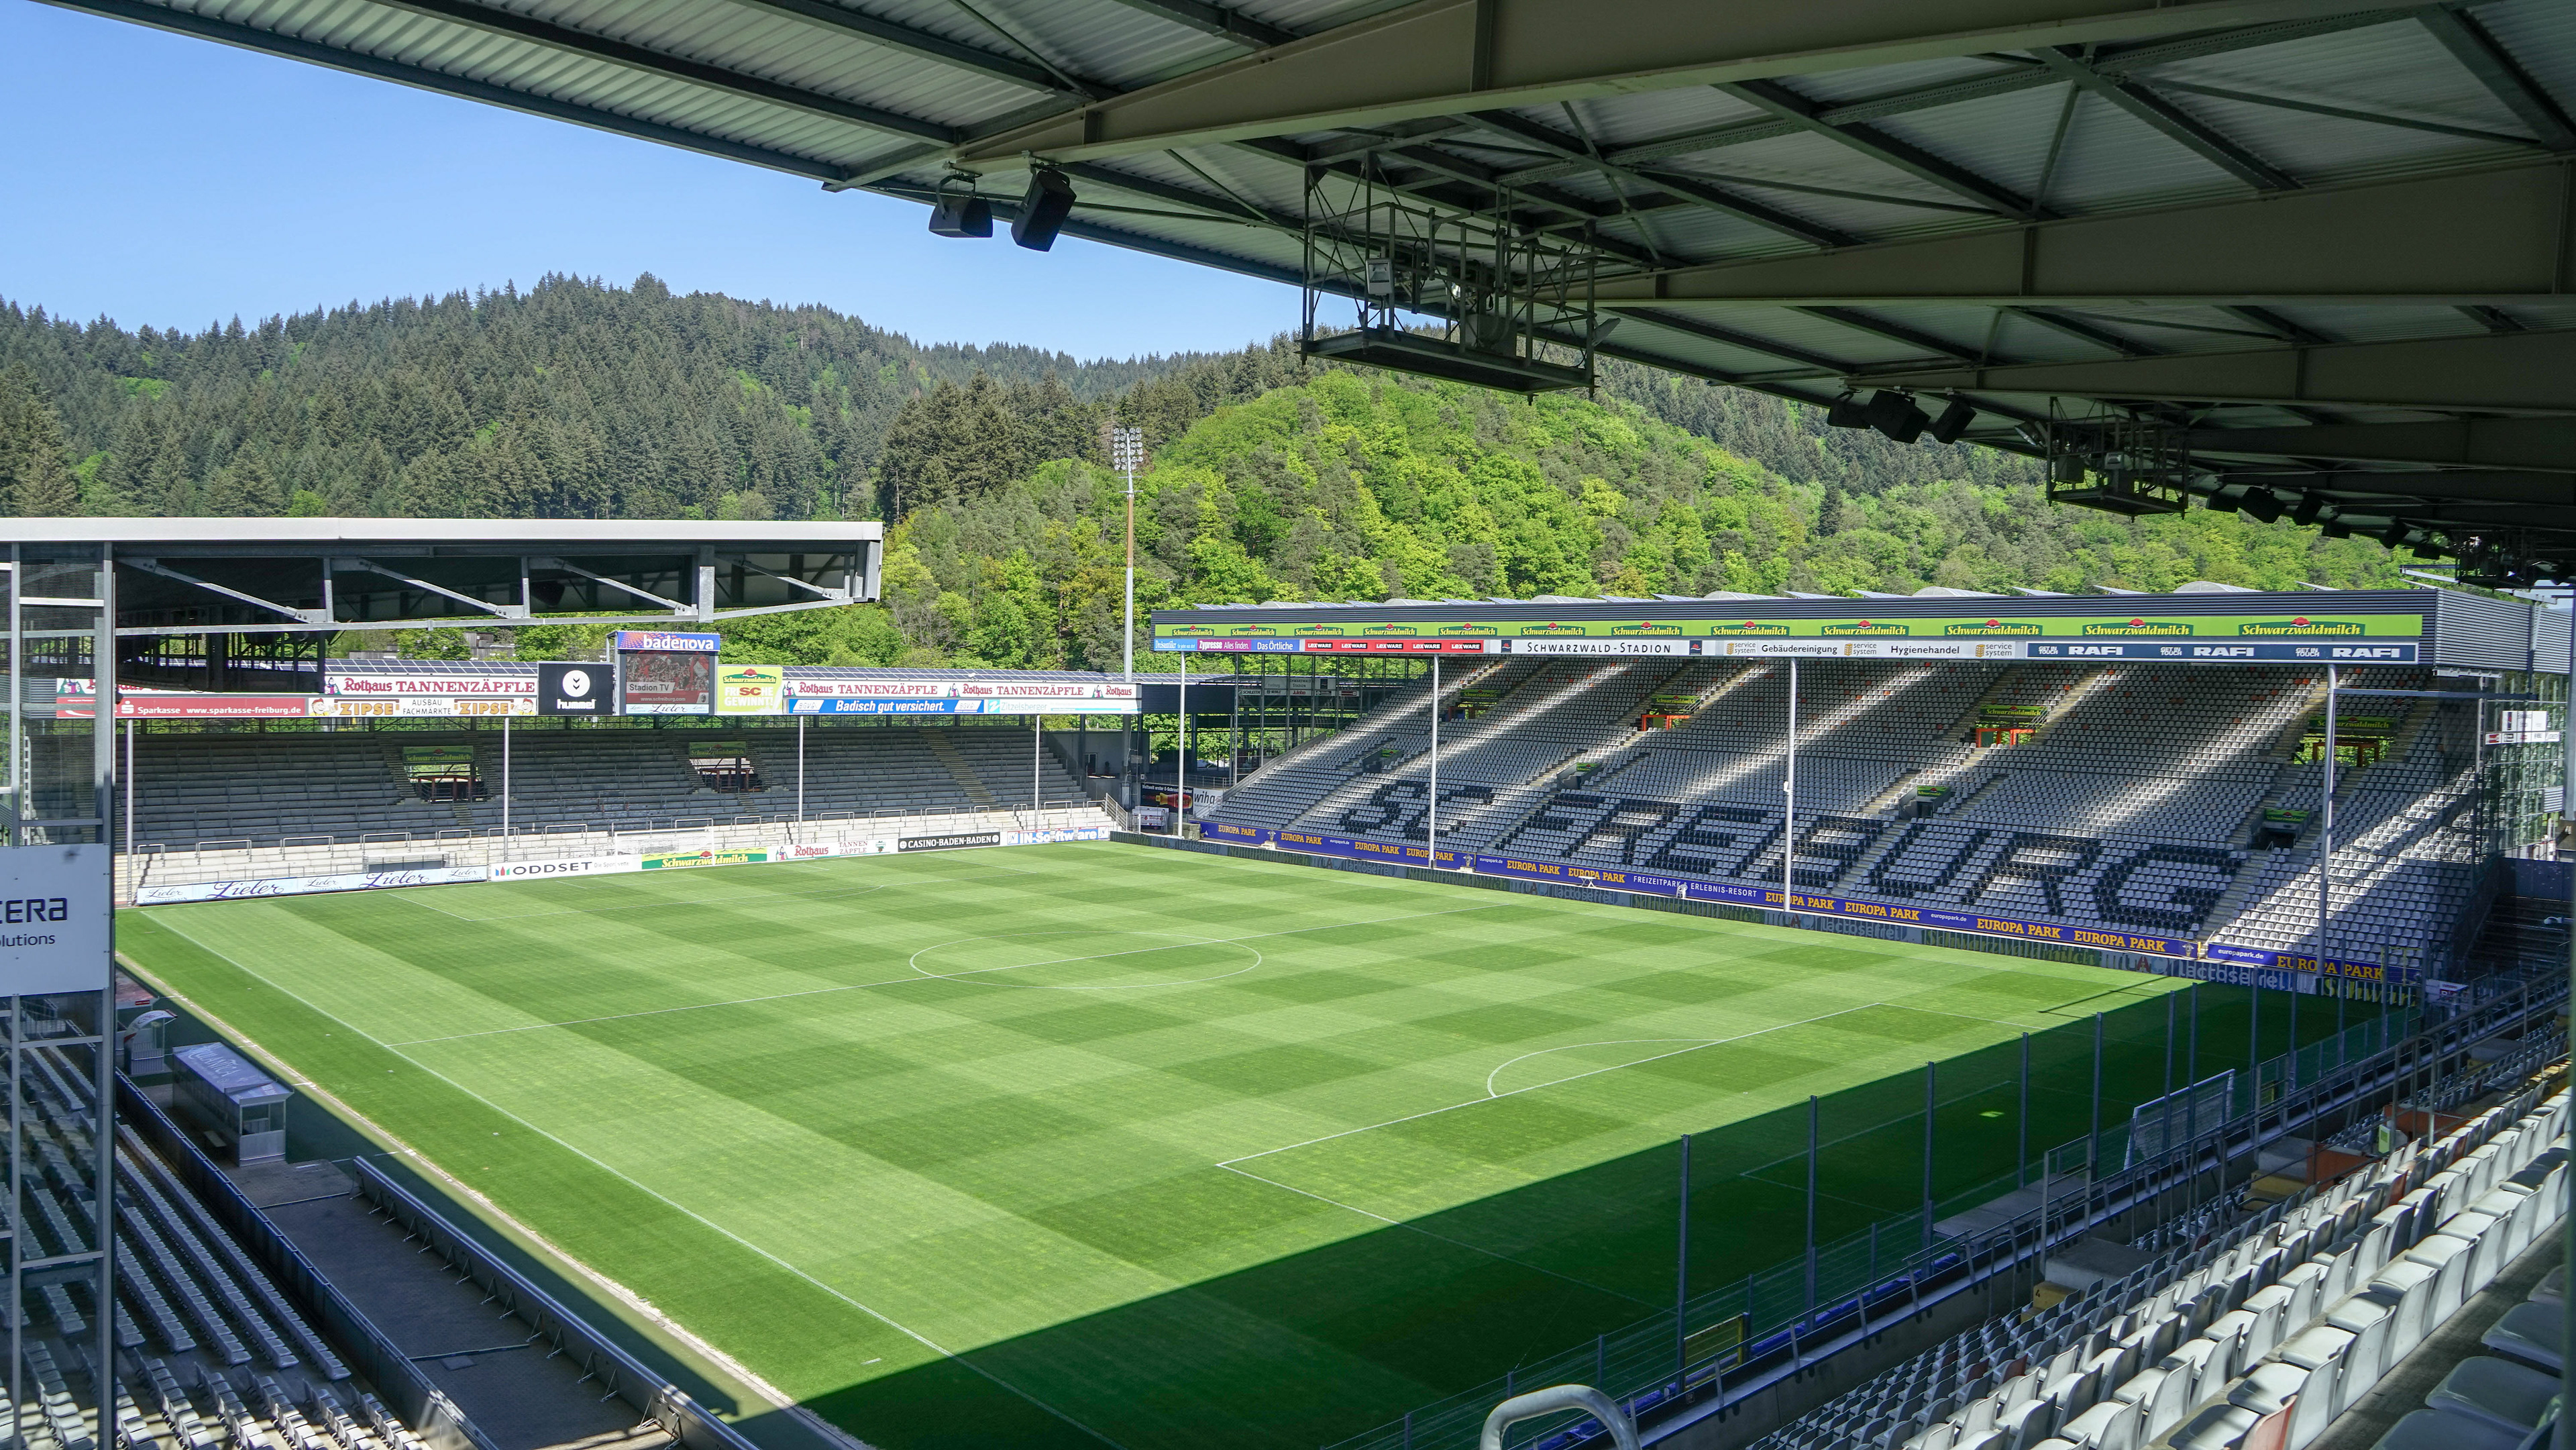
{"x":1978,"y":1017}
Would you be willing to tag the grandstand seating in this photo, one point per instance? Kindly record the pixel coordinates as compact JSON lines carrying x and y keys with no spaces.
{"x":2243,"y":1324}
{"x":277,"y":786}
{"x":2133,"y":798}
{"x":212,"y":1354}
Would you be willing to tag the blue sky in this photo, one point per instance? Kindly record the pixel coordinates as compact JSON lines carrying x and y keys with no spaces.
{"x":158,"y":179}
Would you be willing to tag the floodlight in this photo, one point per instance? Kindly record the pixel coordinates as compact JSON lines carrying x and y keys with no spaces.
{"x":1894,"y":414}
{"x":1043,"y":210}
{"x":1954,"y":420}
{"x":1846,"y":412}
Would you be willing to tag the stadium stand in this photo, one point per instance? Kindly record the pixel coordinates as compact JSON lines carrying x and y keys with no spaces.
{"x":213,"y":1353}
{"x":2250,"y":1325}
{"x":2131,"y":798}
{"x":263,"y":789}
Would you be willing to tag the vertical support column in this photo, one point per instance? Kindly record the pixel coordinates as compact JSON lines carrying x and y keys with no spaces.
{"x":2021,"y":1136}
{"x":1789,"y":811}
{"x":1681,"y":1270}
{"x":505,"y":787}
{"x":2093,"y":1140}
{"x":1037,"y":768}
{"x":800,"y":769}
{"x":1931,"y":1111}
{"x":1431,"y":803}
{"x":1811,"y":1203}
{"x":1181,"y":747}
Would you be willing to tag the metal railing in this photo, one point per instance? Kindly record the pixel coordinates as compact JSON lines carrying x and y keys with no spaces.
{"x":1730,"y":1343}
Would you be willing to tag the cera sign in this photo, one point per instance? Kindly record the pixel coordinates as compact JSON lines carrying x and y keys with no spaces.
{"x":53,"y":919}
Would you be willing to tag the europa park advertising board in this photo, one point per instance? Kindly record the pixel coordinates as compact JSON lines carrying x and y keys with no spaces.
{"x":2372,"y":637}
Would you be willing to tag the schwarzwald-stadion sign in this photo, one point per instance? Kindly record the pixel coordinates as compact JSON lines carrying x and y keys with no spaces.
{"x":2359,"y":627}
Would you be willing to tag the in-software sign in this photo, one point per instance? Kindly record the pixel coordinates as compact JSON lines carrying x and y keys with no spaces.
{"x":572,"y":689}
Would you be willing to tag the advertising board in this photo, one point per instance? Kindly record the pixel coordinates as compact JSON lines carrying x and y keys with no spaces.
{"x":750,"y":689}
{"x":579,"y":866}
{"x":306,"y":885}
{"x":53,"y":919}
{"x":664,"y":641}
{"x":948,"y":842}
{"x":677,"y":860}
{"x":666,"y":683}
{"x":573,"y":689}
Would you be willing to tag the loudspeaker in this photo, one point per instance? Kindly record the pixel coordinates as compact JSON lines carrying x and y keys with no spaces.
{"x":960,"y":214}
{"x":2262,"y":505}
{"x":2227,"y":500}
{"x":1043,"y":210}
{"x":1954,"y":420}
{"x":2304,"y":512}
{"x":1894,"y":414}
{"x":1846,"y":412}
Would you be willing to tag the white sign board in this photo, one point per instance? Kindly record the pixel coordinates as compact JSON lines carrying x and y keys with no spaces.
{"x":53,"y":919}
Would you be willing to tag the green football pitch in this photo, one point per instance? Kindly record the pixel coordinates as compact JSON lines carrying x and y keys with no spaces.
{"x":1096,"y":1143}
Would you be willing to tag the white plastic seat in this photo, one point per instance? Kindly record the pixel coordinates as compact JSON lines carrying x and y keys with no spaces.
{"x":2110,"y":1425}
{"x":2450,"y":1256}
{"x":2367,"y":1318}
{"x":2412,"y":1283}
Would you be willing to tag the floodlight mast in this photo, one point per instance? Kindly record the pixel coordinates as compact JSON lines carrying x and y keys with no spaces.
{"x":1127,"y":454}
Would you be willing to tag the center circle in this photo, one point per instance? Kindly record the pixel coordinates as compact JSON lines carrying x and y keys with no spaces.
{"x":1083,"y":959}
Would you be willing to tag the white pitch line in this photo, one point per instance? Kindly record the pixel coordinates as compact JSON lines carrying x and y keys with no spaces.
{"x":899,"y":981}
{"x":914,"y":1335}
{"x":1515,"y":1092}
{"x":421,"y":898}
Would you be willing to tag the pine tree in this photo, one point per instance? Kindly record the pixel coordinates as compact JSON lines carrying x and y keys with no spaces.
{"x":35,"y":470}
{"x":245,"y":488}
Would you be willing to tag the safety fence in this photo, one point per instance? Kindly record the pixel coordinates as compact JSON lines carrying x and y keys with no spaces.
{"x":469,"y":852}
{"x":1722,"y":1345}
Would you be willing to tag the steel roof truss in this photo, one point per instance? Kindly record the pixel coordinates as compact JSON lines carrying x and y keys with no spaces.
{"x":346,"y":565}
{"x":308,"y":617}
{"x":2142,"y":103}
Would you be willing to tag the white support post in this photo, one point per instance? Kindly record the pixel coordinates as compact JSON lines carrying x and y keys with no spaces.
{"x":505,"y":787}
{"x":1431,"y":809}
{"x":2325,"y":853}
{"x":800,"y":770}
{"x":1037,"y":748}
{"x":1789,"y":812}
{"x":1181,"y":749}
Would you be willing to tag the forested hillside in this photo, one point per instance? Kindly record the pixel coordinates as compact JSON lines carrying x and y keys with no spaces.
{"x":1270,"y":479}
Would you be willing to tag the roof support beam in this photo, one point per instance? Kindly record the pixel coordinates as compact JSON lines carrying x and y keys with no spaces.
{"x":2545,"y":444}
{"x":2552,"y":489}
{"x":1444,"y":57}
{"x":206,"y":27}
{"x":2469,"y":44}
{"x":2143,"y":104}
{"x":2488,"y":236}
{"x":2522,"y":371}
{"x":1215,"y":20}
{"x":1787,"y":105}
{"x":699,"y":73}
{"x":1698,"y":193}
{"x":913,"y":42}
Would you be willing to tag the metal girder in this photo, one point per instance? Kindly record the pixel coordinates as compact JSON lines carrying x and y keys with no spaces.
{"x":1894,"y":332}
{"x":2076,"y":327}
{"x":2478,"y":443}
{"x":2556,"y":490}
{"x":1787,"y":105}
{"x":1215,"y":20}
{"x":636,"y":57}
{"x":2469,"y":44}
{"x":568,"y":567}
{"x":1441,"y":57}
{"x":205,"y":27}
{"x":2522,"y":371}
{"x":913,"y":42}
{"x":2142,"y":103}
{"x":2484,"y":236}
{"x":308,"y":617}
{"x":1698,"y":193}
{"x":497,"y":611}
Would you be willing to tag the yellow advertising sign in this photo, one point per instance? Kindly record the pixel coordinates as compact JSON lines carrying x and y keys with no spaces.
{"x":751,"y":689}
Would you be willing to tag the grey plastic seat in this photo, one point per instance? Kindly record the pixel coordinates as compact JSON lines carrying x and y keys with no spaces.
{"x":2531,"y":1333}
{"x":2444,"y":1430}
{"x":2507,"y":1395}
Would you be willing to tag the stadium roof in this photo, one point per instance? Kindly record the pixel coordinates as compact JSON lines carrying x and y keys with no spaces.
{"x":2352,"y":627}
{"x":2321,"y":243}
{"x":282,"y":576}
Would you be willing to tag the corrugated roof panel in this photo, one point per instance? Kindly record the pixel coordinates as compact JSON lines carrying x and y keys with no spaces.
{"x":2318,"y":149}
{"x":2112,"y":160}
{"x":2387,"y":322}
{"x":2536,"y":33}
{"x":2019,"y":339}
{"x":1813,"y":160}
{"x":1855,"y":85}
{"x":2003,"y":139}
{"x":1631,"y":120}
{"x":2399,"y":69}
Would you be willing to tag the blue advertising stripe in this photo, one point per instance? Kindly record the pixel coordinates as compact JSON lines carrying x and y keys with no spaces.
{"x":2304,"y":964}
{"x":834,"y":706}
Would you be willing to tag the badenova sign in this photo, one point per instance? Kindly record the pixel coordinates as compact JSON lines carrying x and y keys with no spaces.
{"x":53,"y":919}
